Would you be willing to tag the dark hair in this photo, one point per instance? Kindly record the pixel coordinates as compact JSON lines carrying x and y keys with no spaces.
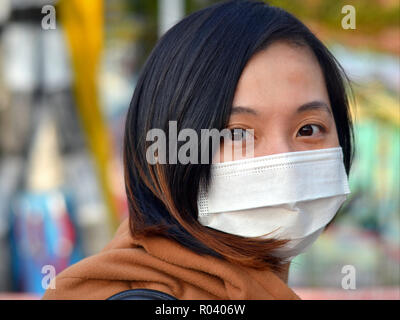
{"x":190,"y":77}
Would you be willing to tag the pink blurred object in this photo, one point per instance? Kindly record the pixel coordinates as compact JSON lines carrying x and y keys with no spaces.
{"x":19,"y":296}
{"x":372,"y":293}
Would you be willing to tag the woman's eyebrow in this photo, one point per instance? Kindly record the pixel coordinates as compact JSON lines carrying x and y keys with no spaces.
{"x":314,"y":105}
{"x":240,"y":109}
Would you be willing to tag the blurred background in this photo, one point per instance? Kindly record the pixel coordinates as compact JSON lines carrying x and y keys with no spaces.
{"x":66,"y":80}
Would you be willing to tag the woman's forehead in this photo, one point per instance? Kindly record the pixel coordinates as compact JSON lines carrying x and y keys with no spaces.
{"x":281,"y":76}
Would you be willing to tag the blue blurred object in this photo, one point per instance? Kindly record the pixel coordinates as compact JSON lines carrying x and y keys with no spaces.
{"x":43,"y":232}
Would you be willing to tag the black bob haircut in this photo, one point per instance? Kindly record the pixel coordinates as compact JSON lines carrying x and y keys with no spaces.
{"x":190,"y":77}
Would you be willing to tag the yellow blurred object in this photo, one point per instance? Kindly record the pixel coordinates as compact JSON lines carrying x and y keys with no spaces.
{"x":45,"y":165}
{"x":377,"y":103}
{"x":83,"y":24}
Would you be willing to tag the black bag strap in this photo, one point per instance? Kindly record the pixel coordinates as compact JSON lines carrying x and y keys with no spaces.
{"x":141,"y":294}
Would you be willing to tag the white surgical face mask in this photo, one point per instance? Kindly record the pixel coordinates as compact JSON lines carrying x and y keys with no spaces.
{"x":294,"y":195}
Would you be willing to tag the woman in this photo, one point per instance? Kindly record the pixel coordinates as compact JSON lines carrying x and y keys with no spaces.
{"x":208,"y":230}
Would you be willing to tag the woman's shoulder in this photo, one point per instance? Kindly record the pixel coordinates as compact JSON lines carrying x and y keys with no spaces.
{"x":70,"y":288}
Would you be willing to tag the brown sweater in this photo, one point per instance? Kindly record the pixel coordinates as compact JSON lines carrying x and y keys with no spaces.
{"x":165,"y":265}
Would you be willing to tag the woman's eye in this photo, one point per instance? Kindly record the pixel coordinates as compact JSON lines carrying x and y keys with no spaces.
{"x":309,"y":130}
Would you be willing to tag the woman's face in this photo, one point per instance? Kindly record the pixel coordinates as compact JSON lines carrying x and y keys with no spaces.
{"x":282,"y":95}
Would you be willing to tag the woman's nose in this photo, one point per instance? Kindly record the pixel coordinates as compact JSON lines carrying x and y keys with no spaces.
{"x":274,"y":145}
